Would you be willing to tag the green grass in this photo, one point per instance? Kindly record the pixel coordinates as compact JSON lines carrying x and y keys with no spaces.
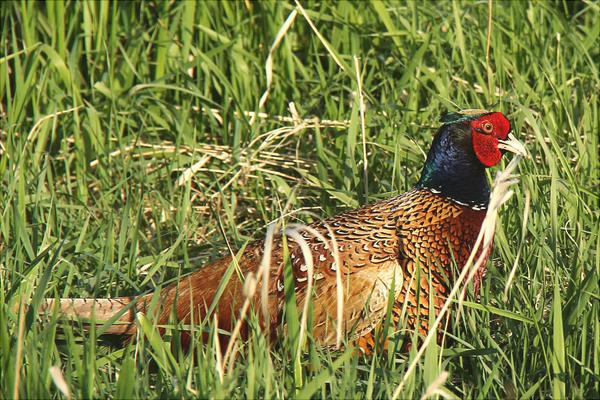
{"x":103,"y":106}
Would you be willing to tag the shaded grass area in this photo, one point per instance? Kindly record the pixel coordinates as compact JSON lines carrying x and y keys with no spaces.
{"x":128,"y":156}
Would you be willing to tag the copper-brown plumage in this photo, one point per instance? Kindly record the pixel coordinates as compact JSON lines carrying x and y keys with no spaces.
{"x":378,"y":243}
{"x":410,"y":242}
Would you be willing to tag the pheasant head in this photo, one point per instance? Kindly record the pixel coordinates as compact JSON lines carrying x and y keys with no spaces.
{"x":467,"y":143}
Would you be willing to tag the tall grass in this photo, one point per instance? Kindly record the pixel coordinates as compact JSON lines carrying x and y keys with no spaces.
{"x":129,"y":157}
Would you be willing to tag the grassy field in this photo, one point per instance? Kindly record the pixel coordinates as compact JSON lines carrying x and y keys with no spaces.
{"x":130,"y":155}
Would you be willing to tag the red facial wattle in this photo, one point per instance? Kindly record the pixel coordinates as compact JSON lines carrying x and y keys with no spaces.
{"x":486,"y":131}
{"x":486,"y":149}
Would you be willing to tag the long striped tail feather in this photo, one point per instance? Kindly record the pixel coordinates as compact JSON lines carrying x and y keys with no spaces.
{"x":115,"y":316}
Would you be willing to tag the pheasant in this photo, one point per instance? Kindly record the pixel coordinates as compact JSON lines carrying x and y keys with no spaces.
{"x":405,"y":246}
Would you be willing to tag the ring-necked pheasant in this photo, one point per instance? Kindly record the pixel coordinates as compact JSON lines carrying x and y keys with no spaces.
{"x":410,"y":241}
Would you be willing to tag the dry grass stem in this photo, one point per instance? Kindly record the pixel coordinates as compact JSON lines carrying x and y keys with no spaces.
{"x":513,"y":271}
{"x":435,"y":387}
{"x":59,"y":381}
{"x":339,"y":284}
{"x":308,"y":261}
{"x":361,"y":105}
{"x":264,"y":275}
{"x":269,"y":63}
{"x":313,"y":122}
{"x":36,"y":127}
{"x":20,"y":340}
{"x":188,"y":173}
{"x":500,"y":193}
{"x":219,"y":366}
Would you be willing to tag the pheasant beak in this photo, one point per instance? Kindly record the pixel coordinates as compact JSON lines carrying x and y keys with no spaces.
{"x":512,"y":145}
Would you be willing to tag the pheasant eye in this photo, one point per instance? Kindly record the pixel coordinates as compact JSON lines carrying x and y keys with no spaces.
{"x":487,"y":127}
